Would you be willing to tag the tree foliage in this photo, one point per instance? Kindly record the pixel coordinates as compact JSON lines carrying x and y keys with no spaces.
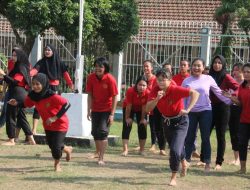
{"x":225,"y":15}
{"x":112,"y":20}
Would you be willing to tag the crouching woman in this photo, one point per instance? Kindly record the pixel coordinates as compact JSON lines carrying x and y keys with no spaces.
{"x":52,"y":108}
{"x":168,"y":97}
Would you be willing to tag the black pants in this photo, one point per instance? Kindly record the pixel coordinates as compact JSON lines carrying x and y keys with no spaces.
{"x":220,"y":120}
{"x":159,"y":129}
{"x":15,"y":115}
{"x":141,"y":130}
{"x":244,"y":137}
{"x":234,"y":123}
{"x":36,"y":115}
{"x":100,"y":125}
{"x":55,"y":141}
{"x":175,"y":132}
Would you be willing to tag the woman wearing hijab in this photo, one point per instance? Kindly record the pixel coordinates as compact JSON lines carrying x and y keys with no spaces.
{"x":220,"y":110}
{"x":52,"y":108}
{"x":54,"y":68}
{"x":19,"y":82}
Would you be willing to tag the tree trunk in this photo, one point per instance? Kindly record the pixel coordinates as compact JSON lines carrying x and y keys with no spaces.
{"x":30,"y":40}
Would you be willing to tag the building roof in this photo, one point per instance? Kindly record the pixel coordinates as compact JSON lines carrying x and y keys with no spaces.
{"x":181,"y":10}
{"x":178,"y":16}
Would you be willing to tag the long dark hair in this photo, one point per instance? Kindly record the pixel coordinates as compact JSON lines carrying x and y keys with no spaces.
{"x":245,"y":82}
{"x":140,"y":78}
{"x":22,"y":65}
{"x":220,"y":75}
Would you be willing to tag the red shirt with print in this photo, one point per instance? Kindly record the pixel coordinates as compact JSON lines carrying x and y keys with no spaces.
{"x":134,"y":98}
{"x":171,"y":103}
{"x":49,"y":107}
{"x":102,"y":91}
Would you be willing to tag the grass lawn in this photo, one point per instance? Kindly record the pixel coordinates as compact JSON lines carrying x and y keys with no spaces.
{"x":25,"y":167}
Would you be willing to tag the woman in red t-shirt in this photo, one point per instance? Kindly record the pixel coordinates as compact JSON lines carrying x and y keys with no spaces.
{"x":52,"y":108}
{"x":244,"y":130}
{"x":134,"y":105}
{"x":102,"y":91}
{"x":168,"y":97}
{"x":52,"y":66}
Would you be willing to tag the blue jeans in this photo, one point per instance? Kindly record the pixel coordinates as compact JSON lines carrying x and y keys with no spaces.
{"x":204,"y":119}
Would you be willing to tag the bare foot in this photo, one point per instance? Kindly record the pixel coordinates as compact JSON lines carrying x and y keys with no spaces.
{"x":101,"y":163}
{"x":31,"y":140}
{"x":152,"y":149}
{"x":124,"y":153}
{"x":58,"y":168}
{"x":163,"y":153}
{"x":200,"y":164}
{"x":207,"y":168}
{"x":235,"y":162}
{"x":68,"y":151}
{"x":31,"y":143}
{"x":184,"y":169}
{"x":173,"y":182}
{"x":9,"y":143}
{"x":95,"y":155}
{"x":195,"y":154}
{"x":217,"y":167}
{"x":142,"y":153}
{"x":242,"y":171}
{"x":137,"y":148}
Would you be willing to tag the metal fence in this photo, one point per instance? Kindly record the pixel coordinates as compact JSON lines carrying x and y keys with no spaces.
{"x":172,"y":47}
{"x":158,"y":45}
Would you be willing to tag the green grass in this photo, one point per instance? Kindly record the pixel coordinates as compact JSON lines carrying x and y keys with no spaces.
{"x":31,"y":167}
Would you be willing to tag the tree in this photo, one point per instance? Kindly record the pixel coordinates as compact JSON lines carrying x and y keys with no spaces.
{"x":243,"y":12}
{"x":112,"y":20}
{"x":226,"y":15}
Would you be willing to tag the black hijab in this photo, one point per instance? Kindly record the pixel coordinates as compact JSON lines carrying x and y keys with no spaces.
{"x":218,"y":75}
{"x":45,"y":92}
{"x":51,"y":66}
{"x":22,"y":65}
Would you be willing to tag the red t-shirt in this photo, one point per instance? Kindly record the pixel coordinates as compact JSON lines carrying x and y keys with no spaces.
{"x":152,"y":83}
{"x":137,"y":101}
{"x":49,"y":107}
{"x":244,"y":97}
{"x":227,"y":84}
{"x":171,"y":104}
{"x":102,"y":91}
{"x":179,"y":78}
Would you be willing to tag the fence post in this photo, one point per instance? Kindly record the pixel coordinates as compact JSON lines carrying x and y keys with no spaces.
{"x":205,"y":44}
{"x":117,"y":60}
{"x":36,"y":52}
